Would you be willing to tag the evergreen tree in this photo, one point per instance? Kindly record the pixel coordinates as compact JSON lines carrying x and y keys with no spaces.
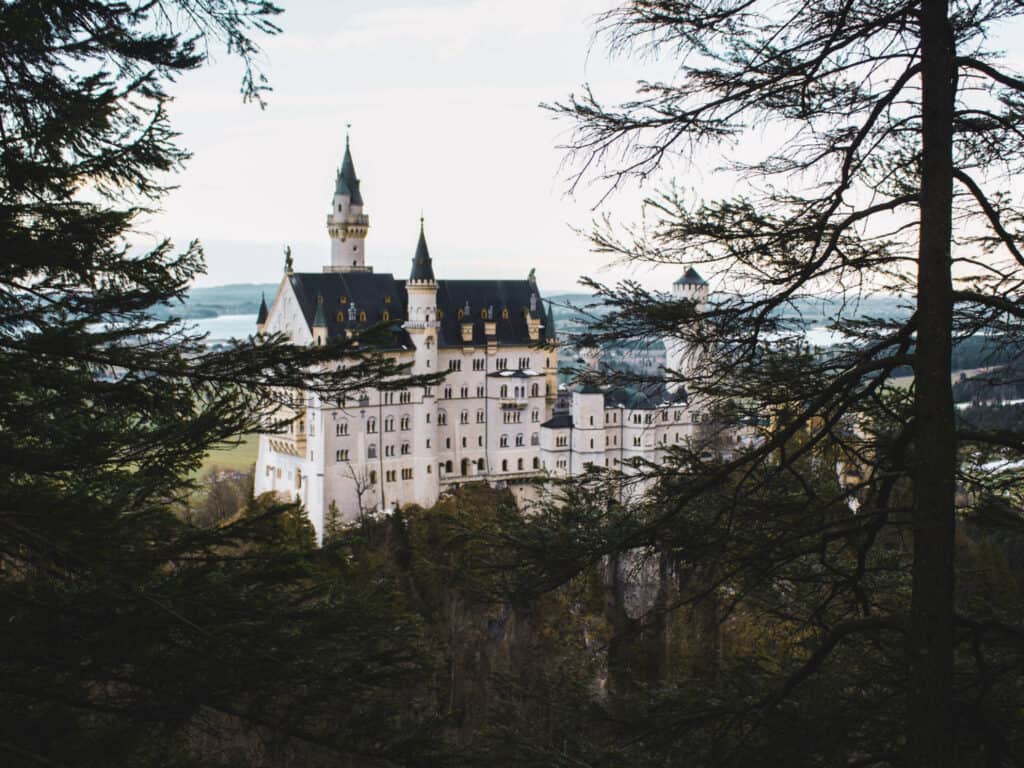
{"x":126,"y":631}
{"x":895,"y":125}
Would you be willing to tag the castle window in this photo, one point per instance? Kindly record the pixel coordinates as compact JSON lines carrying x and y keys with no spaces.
{"x":536,"y":463}
{"x":503,"y":441}
{"x":341,"y":429}
{"x":371,"y":451}
{"x":340,"y":317}
{"x":479,"y":364}
{"x":535,"y":416}
{"x":464,"y":392}
{"x":464,"y":417}
{"x":454,"y":365}
{"x":387,"y":299}
{"x":480,"y":441}
{"x":362,"y":316}
{"x":465,"y":441}
{"x":389,"y":424}
{"x":404,"y":423}
{"x":389,"y":450}
{"x":502,"y":363}
{"x":442,"y":418}
{"x":407,"y":474}
{"x":535,"y":439}
{"x":373,"y":477}
{"x":483,"y":314}
{"x":341,"y":455}
{"x":504,"y":465}
{"x":405,"y":449}
{"x":636,"y":441}
{"x":520,"y":442}
{"x":429,"y":469}
{"x":480,"y":390}
{"x":535,"y":390}
{"x":385,"y":315}
{"x":460,"y":314}
{"x":480,"y":416}
{"x":504,"y":390}
{"x":447,"y":393}
{"x":371,"y":426}
{"x":448,"y":466}
{"x":480,"y":465}
{"x":504,"y":313}
{"x":343,"y":299}
{"x":519,"y":464}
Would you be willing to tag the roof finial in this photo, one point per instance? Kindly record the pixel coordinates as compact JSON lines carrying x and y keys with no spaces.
{"x":348,"y":128}
{"x":421,"y":219}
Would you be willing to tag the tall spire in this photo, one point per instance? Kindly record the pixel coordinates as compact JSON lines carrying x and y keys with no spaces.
{"x":320,"y":318}
{"x":346,"y":183}
{"x":549,"y":324}
{"x":261,"y":317}
{"x":422,"y":266}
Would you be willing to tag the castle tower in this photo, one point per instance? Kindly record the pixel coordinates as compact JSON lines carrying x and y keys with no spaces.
{"x":346,"y":223}
{"x":261,"y":317}
{"x":680,"y":359}
{"x":422,"y":326}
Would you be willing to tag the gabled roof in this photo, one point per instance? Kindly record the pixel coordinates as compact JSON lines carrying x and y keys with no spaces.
{"x":373,"y":295}
{"x":493,"y":297}
{"x":422,"y":267}
{"x":261,"y":316}
{"x":346,"y":183}
{"x":690,"y":277}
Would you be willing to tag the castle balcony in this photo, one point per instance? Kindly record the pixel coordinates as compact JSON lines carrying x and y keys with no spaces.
{"x":513,"y":403}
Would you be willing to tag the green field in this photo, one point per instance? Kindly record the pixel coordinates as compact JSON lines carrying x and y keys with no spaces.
{"x":239,"y":458}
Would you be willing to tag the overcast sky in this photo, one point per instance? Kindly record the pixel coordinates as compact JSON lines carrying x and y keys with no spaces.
{"x":443,"y":101}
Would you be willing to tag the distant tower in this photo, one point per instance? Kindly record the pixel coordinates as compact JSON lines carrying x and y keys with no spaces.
{"x":346,"y":223}
{"x":261,"y":317}
{"x":679,"y":357}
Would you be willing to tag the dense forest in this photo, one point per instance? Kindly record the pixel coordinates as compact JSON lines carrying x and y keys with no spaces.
{"x":843,"y":588}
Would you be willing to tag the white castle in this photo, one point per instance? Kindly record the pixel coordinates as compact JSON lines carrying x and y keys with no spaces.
{"x":498,"y":415}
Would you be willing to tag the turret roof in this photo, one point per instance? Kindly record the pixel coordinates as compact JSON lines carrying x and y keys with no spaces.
{"x":347,"y":183}
{"x":320,"y":319}
{"x":261,"y":317}
{"x":691,"y":277}
{"x":549,"y":324}
{"x":422,"y":266}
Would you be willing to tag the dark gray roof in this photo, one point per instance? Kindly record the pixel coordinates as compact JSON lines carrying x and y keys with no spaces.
{"x":549,"y":324}
{"x":373,"y":295}
{"x":691,"y":277}
{"x":377,"y":293}
{"x":559,"y":421}
{"x":346,"y":183}
{"x":422,"y":267}
{"x":491,"y":296}
{"x":261,"y":317}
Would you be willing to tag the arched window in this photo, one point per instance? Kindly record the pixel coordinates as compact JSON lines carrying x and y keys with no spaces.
{"x":385,"y":315}
{"x":534,"y":390}
{"x":504,"y":390}
{"x":464,"y":467}
{"x":504,"y":465}
{"x":442,"y":417}
{"x":504,"y":313}
{"x":371,"y":426}
{"x":371,"y":451}
{"x":480,"y":465}
{"x":483,"y":314}
{"x":536,"y":463}
{"x":362,"y":317}
{"x":519,"y":464}
{"x":448,"y":466}
{"x":460,"y":314}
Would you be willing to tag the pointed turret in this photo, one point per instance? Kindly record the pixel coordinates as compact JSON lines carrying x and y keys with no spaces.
{"x":261,"y":316}
{"x":320,"y":322}
{"x":347,"y":225}
{"x":549,"y":324}
{"x":422,"y":266}
{"x":346,"y":182}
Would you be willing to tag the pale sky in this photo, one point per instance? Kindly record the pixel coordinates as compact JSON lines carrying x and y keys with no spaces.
{"x":443,"y":101}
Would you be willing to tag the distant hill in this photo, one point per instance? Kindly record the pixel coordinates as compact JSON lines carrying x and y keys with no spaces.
{"x":217,"y":300}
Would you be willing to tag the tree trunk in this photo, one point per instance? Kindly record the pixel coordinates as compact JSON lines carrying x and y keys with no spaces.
{"x":930,"y":737}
